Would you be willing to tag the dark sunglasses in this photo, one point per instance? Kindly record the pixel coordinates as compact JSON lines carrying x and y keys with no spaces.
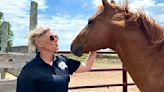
{"x":52,"y":37}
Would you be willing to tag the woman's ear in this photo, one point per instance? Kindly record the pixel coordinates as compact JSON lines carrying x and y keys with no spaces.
{"x":39,"y":43}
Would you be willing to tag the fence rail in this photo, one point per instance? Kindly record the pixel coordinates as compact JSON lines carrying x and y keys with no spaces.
{"x":125,"y":84}
{"x":14,"y":60}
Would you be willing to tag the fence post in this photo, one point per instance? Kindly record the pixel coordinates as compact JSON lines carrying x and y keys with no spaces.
{"x":124,"y":73}
{"x":33,"y":14}
{"x":4,"y":37}
{"x":33,"y":19}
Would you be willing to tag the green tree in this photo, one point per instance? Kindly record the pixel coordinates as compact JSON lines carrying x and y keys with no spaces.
{"x":1,"y":16}
{"x":10,"y":32}
{"x":10,"y":36}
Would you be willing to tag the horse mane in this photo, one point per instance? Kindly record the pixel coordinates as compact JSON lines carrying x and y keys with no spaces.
{"x":153,"y":31}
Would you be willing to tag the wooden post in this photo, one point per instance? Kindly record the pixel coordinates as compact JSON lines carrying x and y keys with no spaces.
{"x":33,"y":19}
{"x":4,"y":38}
{"x":33,"y":14}
{"x":125,"y":83}
{"x":3,"y":73}
{"x":0,"y":37}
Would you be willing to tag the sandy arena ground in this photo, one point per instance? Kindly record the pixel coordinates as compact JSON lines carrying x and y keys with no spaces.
{"x":107,"y":77}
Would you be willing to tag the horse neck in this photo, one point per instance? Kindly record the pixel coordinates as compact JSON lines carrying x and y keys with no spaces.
{"x":137,"y":56}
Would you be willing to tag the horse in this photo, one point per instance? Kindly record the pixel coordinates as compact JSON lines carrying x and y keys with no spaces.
{"x":137,"y":39}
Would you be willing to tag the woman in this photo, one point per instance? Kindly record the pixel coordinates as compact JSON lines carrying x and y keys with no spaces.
{"x":47,"y":72}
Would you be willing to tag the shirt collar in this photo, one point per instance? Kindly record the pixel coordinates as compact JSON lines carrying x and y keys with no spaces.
{"x":38,"y":59}
{"x":41,"y":61}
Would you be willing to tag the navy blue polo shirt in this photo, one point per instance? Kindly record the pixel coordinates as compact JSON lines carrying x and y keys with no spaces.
{"x":38,"y":76}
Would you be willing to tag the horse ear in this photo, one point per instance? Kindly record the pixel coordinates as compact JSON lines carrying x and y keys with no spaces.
{"x":126,"y":6}
{"x":105,"y":3}
{"x":112,"y":1}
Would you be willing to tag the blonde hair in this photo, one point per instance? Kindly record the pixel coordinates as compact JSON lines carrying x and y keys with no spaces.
{"x":35,"y":34}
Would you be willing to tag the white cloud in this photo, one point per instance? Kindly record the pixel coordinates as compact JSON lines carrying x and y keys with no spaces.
{"x":41,"y":4}
{"x":151,"y":7}
{"x":65,"y":26}
{"x":97,"y":2}
{"x":17,"y":13}
{"x":142,"y":3}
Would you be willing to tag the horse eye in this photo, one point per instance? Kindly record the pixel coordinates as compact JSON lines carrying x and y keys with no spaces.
{"x":116,"y":10}
{"x":90,"y":21}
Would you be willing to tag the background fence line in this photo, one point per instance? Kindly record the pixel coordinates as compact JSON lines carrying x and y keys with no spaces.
{"x":15,"y":60}
{"x":125,"y":83}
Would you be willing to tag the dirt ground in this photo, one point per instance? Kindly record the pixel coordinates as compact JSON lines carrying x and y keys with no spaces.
{"x":98,"y":78}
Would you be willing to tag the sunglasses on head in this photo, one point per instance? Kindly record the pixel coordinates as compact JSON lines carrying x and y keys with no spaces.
{"x":52,"y":37}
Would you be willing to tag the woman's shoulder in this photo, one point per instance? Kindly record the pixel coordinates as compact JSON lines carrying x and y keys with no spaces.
{"x":29,"y":65}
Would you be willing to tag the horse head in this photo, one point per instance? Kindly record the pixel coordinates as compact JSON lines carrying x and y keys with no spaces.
{"x":99,"y":33}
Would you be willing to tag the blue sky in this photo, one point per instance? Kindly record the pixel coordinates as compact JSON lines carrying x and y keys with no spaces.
{"x":65,"y":17}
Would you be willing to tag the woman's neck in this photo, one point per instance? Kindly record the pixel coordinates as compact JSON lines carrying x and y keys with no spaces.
{"x":47,"y":57}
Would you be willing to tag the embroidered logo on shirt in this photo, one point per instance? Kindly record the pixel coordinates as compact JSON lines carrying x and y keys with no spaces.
{"x":62,"y":65}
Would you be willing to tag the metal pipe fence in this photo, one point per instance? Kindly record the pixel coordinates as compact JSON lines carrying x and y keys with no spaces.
{"x":124,"y":83}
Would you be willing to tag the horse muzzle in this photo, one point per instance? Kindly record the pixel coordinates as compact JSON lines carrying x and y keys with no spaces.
{"x":76,"y":49}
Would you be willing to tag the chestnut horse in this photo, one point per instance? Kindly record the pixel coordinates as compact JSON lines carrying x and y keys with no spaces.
{"x":136,"y":38}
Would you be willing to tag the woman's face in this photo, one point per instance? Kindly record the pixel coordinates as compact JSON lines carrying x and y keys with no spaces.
{"x":50,"y":42}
